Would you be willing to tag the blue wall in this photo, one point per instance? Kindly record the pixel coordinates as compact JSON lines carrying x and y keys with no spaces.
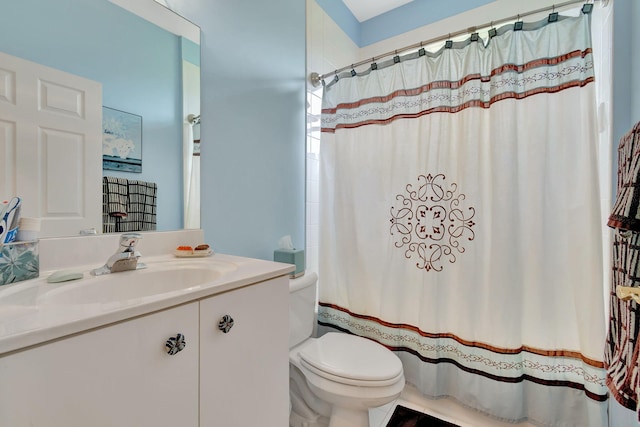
{"x":253,"y":122}
{"x":138,"y":64}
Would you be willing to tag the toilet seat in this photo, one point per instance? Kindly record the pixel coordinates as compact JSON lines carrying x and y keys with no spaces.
{"x":351,"y":360}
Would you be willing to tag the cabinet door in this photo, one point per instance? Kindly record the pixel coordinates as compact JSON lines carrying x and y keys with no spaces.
{"x":117,"y":376}
{"x":244,"y":373}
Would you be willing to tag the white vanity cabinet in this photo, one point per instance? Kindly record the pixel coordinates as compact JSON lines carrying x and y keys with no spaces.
{"x":244,"y":373}
{"x":121,"y":375}
{"x":116,"y":376}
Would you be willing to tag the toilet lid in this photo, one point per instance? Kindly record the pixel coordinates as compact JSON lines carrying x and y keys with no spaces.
{"x":351,"y":357}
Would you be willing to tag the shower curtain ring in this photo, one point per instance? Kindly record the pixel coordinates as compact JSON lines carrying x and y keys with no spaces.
{"x":449,"y":43}
{"x":492,"y":31}
{"x":518,"y":25}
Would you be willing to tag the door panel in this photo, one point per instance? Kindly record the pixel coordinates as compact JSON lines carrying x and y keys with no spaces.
{"x":51,"y":145}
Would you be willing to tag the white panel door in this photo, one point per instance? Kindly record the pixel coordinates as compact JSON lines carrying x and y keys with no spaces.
{"x":51,"y":145}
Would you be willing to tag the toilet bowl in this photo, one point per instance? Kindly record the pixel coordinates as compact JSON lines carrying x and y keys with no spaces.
{"x":337,"y":378}
{"x":349,"y":374}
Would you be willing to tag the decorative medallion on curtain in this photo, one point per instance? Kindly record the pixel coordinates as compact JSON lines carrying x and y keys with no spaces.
{"x":460,"y":221}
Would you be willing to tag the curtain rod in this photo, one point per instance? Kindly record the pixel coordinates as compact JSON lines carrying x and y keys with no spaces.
{"x":316,"y":78}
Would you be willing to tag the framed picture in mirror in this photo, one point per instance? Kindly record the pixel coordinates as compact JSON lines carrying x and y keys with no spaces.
{"x":121,"y":141}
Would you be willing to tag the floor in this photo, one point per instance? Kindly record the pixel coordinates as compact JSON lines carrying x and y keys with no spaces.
{"x":445,"y":409}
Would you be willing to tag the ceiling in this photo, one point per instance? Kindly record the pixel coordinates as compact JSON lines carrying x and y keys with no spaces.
{"x":367,"y":9}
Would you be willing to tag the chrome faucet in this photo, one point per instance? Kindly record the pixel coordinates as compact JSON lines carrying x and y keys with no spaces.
{"x":125,"y":259}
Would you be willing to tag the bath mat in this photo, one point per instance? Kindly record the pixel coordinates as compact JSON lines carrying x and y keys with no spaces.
{"x":405,"y":417}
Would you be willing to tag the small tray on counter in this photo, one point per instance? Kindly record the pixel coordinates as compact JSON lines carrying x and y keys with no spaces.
{"x":195,"y":254}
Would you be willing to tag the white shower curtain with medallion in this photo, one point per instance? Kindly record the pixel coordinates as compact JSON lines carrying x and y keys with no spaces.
{"x":460,"y":221}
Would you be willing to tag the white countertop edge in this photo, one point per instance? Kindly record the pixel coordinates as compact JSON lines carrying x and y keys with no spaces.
{"x":255,"y":271}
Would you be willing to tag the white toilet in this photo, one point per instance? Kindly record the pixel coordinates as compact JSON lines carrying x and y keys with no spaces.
{"x":336,"y":378}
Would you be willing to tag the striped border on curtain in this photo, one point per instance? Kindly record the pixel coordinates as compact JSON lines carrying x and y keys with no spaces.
{"x":507,"y":81}
{"x":511,"y":365}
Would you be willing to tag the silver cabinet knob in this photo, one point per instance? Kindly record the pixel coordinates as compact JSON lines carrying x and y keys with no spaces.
{"x":175,"y":344}
{"x":226,"y":323}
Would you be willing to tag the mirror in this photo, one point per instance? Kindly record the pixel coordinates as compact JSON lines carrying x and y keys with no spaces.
{"x":148,"y":67}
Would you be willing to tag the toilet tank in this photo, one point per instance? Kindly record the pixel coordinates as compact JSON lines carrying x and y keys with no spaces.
{"x":302,"y":305}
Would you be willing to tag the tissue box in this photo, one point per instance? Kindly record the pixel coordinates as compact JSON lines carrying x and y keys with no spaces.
{"x":291,"y":256}
{"x":19,"y":261}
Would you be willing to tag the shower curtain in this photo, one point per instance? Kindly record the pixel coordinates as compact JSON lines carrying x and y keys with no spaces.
{"x":460,"y":221}
{"x":191,"y":176}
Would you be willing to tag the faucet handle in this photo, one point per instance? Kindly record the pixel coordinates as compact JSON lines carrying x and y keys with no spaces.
{"x":129,"y":240}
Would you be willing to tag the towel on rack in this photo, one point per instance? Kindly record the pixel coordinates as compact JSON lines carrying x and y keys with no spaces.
{"x":626,"y":210}
{"x":115,"y":196}
{"x":142,"y":205}
{"x":622,"y":347}
{"x":128,"y":205}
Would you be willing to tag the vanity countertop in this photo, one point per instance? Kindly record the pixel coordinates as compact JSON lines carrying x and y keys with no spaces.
{"x":28,"y":316}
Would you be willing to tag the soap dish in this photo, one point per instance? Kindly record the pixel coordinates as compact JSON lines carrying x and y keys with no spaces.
{"x":195,"y":254}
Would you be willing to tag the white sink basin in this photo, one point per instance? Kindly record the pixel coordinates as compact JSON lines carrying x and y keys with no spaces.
{"x":156,"y":279}
{"x":25,"y":295}
{"x":18,"y":301}
{"x":123,"y":287}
